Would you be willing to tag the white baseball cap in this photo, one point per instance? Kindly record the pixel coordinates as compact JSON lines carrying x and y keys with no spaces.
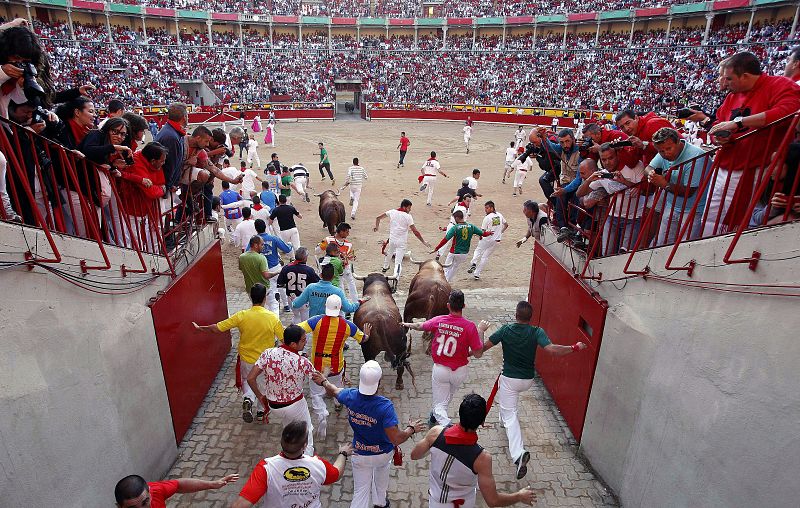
{"x":369,"y":377}
{"x":333,"y":306}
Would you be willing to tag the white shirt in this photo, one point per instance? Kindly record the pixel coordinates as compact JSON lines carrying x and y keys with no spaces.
{"x":519,"y":137}
{"x":285,"y":373}
{"x":399,"y":223}
{"x":299,"y":171}
{"x":252,"y":145}
{"x":455,"y":209}
{"x":356,"y":176}
{"x":467,"y":131}
{"x":244,"y":231}
{"x":431,"y":168}
{"x":493,"y":222}
{"x":611,"y":186}
{"x":535,"y":226}
{"x":523,"y":166}
{"x":511,"y":154}
{"x":249,"y":182}
{"x":232,"y":173}
{"x":473,"y":183}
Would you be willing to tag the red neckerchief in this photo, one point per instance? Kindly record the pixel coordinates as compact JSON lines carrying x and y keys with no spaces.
{"x":78,"y":131}
{"x":178,"y":127}
{"x":287,"y":348}
{"x":464,"y":204}
{"x":9,"y":86}
{"x":456,"y":435}
{"x":431,"y":158}
{"x":401,"y":210}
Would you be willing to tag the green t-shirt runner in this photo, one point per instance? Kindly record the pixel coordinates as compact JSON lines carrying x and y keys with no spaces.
{"x":323,"y":156}
{"x":519,"y":348}
{"x":338,"y":269}
{"x":285,"y":181}
{"x":253,"y":265}
{"x":462,"y":233}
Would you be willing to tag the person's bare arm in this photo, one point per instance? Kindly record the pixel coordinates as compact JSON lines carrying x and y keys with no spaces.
{"x":188,"y":485}
{"x":482,"y":327}
{"x":345,"y":451}
{"x":584,"y":188}
{"x":252,"y":381}
{"x":488,"y":487}
{"x":398,"y":437}
{"x":378,"y":221}
{"x":330,"y":389}
{"x":557,"y":350}
{"x":207,"y":328}
{"x":422,"y":448}
{"x":419,"y":236}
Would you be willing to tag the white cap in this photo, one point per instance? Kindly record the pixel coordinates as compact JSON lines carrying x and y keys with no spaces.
{"x":333,"y":306}
{"x":369,"y":377}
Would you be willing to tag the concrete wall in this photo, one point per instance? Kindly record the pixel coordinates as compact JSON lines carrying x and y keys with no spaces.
{"x":82,"y":396}
{"x":695,"y":400}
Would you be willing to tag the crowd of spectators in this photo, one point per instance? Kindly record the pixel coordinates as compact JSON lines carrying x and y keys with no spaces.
{"x":667,"y":74}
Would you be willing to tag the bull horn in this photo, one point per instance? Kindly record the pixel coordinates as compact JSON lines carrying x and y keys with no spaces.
{"x":393,"y":277}
{"x":318,"y":195}
{"x":411,"y":257}
{"x":338,"y":193}
{"x":446,"y":265}
{"x":358,"y":277}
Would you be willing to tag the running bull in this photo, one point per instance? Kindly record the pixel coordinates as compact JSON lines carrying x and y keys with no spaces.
{"x":331,"y":210}
{"x":388,"y":334}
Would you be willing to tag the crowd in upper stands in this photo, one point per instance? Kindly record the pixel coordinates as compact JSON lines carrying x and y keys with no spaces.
{"x":669,"y":73}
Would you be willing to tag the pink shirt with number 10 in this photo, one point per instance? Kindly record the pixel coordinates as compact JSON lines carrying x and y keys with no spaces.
{"x":453,"y":338}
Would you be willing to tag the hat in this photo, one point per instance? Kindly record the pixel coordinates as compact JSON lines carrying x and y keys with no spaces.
{"x":520,"y":149}
{"x":369,"y":377}
{"x":333,"y":306}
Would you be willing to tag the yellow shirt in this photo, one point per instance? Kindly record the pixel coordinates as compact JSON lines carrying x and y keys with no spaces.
{"x":258,"y":329}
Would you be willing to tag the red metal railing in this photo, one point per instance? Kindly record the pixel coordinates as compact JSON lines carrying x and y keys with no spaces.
{"x":59,"y":191}
{"x":719,"y":200}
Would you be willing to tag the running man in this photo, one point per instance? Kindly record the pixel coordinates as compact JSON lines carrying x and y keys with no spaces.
{"x":324,"y":163}
{"x":455,"y":339}
{"x":459,"y":464}
{"x":403,"y":147}
{"x":495,"y":223}
{"x":461,"y":233}
{"x":430,"y":170}
{"x":462,"y":205}
{"x":327,"y":354}
{"x":521,"y":169}
{"x":301,"y":181}
{"x":400,"y":221}
{"x":287,"y":228}
{"x":355,"y":179}
{"x":346,"y":252}
{"x":520,"y":341}
{"x":511,"y":154}
{"x":294,"y":278}
{"x":467,"y":134}
{"x":472,"y":183}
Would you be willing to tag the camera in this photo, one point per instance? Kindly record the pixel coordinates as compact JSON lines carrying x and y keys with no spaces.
{"x":620,"y":143}
{"x":584,"y":146}
{"x":33,"y":90}
{"x":687,"y":111}
{"x":530,"y":149}
{"x":128,"y":159}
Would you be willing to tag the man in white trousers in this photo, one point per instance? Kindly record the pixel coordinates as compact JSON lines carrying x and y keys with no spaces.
{"x":258,"y":330}
{"x":301,"y":180}
{"x":252,"y":152}
{"x":355,"y":179}
{"x":285,"y":373}
{"x":519,"y":137}
{"x":511,"y":154}
{"x":463,"y":206}
{"x":330,"y":331}
{"x":521,"y":171}
{"x":376,"y":431}
{"x":455,"y":339}
{"x":400,"y":221}
{"x":430,"y":170}
{"x":347,"y":254}
{"x":497,"y":225}
{"x":294,"y":277}
{"x":286,"y":228}
{"x":467,"y":135}
{"x":520,"y":341}
{"x":459,"y":238}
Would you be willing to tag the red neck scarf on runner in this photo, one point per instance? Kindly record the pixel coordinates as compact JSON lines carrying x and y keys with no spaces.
{"x":456,"y":435}
{"x":178,"y":127}
{"x":78,"y":131}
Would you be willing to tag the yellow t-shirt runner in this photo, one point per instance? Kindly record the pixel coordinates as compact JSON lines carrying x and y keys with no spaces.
{"x":258,"y":329}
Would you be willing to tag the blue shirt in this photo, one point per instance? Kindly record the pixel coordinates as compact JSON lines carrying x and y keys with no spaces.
{"x":271,"y":246}
{"x":685,"y":176}
{"x":316,"y":294}
{"x":369,"y":415}
{"x":268,"y":198}
{"x":227,"y":197}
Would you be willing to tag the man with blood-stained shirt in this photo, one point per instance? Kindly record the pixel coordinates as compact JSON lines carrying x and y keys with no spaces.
{"x":133,"y":492}
{"x":285,"y":374}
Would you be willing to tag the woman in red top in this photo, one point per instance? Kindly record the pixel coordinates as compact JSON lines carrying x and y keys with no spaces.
{"x":140,"y":187}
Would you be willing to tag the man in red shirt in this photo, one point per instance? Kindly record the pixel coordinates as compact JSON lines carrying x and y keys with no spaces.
{"x":640,"y":130}
{"x":755,"y":100}
{"x":133,"y":492}
{"x":628,"y":156}
{"x":403,"y":146}
{"x":455,"y":339}
{"x":292,"y":478}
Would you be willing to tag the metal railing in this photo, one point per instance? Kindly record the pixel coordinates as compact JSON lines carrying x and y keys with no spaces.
{"x":722,"y":190}
{"x":61,"y":192}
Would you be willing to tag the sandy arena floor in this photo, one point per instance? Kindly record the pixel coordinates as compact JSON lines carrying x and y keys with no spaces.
{"x":375,"y":144}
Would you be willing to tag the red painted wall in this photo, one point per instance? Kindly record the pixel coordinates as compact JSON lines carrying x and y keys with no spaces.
{"x":569,"y":312}
{"x":413,"y":114}
{"x":191,"y":360}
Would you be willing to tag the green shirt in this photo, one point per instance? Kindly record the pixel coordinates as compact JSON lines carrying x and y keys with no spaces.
{"x":252,"y":265}
{"x":519,"y":348}
{"x":338,"y":268}
{"x":323,"y":156}
{"x":286,"y":180}
{"x":463,"y":236}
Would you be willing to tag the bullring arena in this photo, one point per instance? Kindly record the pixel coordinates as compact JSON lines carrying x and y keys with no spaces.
{"x":654,"y":238}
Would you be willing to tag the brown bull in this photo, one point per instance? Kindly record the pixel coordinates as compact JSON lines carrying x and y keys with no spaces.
{"x":427,"y":295}
{"x":387,"y":331}
{"x":331,"y":210}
